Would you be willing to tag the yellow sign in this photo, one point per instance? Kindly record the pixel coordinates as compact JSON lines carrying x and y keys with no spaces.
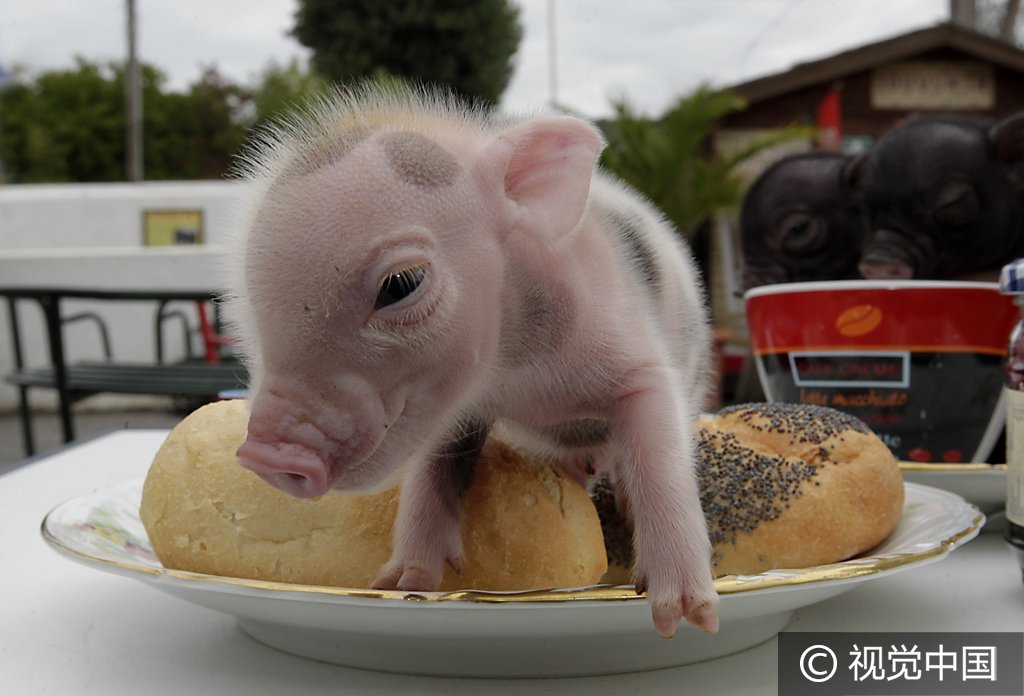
{"x":172,"y":227}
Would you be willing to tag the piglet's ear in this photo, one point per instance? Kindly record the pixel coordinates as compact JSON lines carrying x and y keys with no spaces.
{"x":546,"y":166}
{"x":852,"y":172}
{"x":1007,"y":137}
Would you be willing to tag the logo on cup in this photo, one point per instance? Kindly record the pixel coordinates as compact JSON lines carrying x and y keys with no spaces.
{"x":858,"y":320}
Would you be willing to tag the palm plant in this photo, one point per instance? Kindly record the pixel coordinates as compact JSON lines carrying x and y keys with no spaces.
{"x":671,"y":160}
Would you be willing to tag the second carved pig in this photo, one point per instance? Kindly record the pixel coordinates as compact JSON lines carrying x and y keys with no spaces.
{"x":944,"y":198}
{"x":411,"y":275}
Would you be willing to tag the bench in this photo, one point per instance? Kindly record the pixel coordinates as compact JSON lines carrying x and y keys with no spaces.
{"x":176,"y":379}
{"x":199,"y":379}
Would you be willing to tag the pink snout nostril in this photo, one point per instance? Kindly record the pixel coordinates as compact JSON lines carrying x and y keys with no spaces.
{"x":295,"y":484}
{"x":288,"y":467}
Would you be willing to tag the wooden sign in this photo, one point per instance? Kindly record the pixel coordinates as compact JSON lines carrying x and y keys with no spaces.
{"x":934,"y":85}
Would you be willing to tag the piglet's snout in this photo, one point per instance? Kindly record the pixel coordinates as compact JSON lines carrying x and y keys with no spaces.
{"x":289,"y":467}
{"x":308,"y":447}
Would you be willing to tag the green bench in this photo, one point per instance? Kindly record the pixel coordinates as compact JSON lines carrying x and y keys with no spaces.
{"x":175,"y":379}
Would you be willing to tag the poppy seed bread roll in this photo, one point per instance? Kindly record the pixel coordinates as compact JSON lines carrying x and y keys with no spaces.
{"x":524,"y":525}
{"x":782,"y":486}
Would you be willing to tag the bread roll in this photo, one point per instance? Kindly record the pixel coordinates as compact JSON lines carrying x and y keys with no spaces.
{"x":524,"y":526}
{"x":782,"y":486}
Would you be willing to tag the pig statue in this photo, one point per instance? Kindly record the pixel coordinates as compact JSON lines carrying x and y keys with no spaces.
{"x":801,"y":220}
{"x":411,"y":275}
{"x":944,"y":197}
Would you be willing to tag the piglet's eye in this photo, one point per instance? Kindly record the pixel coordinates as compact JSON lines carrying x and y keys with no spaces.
{"x":399,"y":285}
{"x":957,"y":206}
{"x":801,"y":233}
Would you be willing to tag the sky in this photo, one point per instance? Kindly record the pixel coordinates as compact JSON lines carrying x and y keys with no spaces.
{"x":650,"y":52}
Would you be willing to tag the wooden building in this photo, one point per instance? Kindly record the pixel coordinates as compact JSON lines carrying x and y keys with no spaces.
{"x":945,"y":68}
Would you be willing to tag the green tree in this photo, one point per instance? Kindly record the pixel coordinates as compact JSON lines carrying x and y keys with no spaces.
{"x":69,"y":125}
{"x":218,"y":111}
{"x":670,"y":159}
{"x":281,"y":87}
{"x":63,"y":126}
{"x":465,"y":45}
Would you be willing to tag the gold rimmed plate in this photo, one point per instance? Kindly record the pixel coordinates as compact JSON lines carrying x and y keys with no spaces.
{"x":595,"y":630}
{"x":983,"y":485}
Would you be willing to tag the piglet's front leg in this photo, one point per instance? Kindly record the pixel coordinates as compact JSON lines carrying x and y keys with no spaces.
{"x":672,"y":551}
{"x":426,"y":531}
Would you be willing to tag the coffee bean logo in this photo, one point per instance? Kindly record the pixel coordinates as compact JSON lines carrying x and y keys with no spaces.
{"x":858,"y":320}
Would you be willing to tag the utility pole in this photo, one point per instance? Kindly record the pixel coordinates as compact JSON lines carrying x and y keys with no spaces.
{"x":5,"y":80}
{"x":133,"y":102}
{"x":963,"y":13}
{"x":1009,"y":23}
{"x":552,"y":56}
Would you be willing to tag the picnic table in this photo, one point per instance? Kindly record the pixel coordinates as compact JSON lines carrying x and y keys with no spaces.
{"x":201,"y":377}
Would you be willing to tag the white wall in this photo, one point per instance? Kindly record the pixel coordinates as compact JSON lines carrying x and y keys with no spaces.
{"x":91,"y":235}
{"x":91,"y":216}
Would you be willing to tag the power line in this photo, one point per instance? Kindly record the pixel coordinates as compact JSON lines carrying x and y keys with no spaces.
{"x":768,"y":28}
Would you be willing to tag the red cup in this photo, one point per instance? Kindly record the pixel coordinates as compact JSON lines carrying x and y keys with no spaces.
{"x":921,"y":362}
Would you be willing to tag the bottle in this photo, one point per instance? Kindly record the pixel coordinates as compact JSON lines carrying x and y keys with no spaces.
{"x":1011,"y":282}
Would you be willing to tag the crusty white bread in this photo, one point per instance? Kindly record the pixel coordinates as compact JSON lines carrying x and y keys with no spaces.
{"x":524,"y":525}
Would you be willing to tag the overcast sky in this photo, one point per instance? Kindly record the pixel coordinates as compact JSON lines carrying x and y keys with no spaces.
{"x":650,"y":51}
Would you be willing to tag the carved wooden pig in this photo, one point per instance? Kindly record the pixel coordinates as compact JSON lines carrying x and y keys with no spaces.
{"x":944,"y":198}
{"x":411,"y":275}
{"x":801,"y":220}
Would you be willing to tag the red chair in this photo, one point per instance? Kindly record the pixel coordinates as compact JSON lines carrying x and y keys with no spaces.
{"x":212,"y":341}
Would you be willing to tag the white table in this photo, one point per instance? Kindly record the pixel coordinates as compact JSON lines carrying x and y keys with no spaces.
{"x":69,"y":630}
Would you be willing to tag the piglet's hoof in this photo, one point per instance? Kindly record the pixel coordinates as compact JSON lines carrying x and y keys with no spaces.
{"x":413,"y":577}
{"x":410,"y":578}
{"x":667,"y":616}
{"x":705,"y":616}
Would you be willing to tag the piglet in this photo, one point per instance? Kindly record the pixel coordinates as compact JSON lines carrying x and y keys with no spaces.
{"x":411,"y":275}
{"x":801,"y":221}
{"x":944,"y":196}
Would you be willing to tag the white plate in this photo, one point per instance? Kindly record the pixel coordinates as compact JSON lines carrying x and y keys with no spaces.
{"x":599,"y":630}
{"x":983,"y":485}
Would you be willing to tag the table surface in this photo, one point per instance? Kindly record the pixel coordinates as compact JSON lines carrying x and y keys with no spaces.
{"x":68,"y":629}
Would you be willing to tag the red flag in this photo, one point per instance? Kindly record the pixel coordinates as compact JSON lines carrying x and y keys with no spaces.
{"x":830,"y":121}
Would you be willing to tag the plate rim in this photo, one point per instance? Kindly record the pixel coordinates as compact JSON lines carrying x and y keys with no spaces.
{"x":963,"y":467}
{"x":775,"y":579}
